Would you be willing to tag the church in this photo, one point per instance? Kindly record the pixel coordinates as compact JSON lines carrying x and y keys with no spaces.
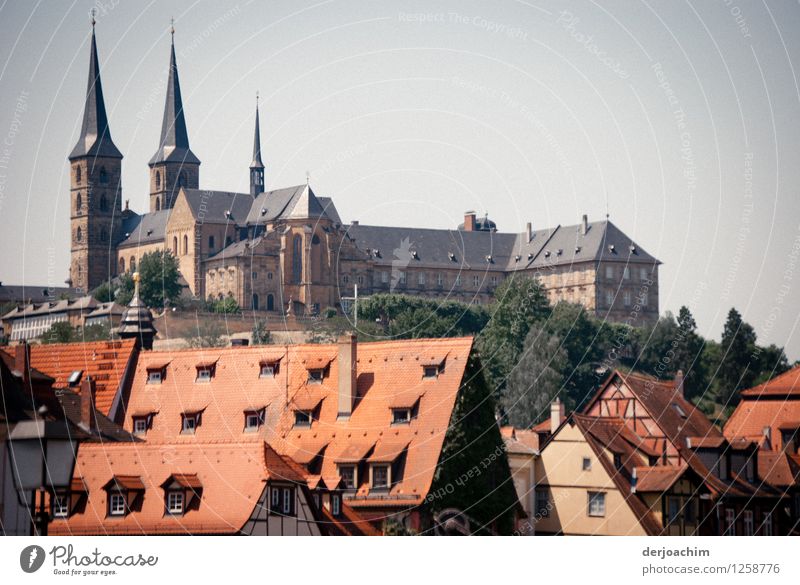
{"x":288,"y":250}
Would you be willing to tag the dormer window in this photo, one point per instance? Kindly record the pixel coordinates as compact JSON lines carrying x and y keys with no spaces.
{"x":175,"y":501}
{"x":253,"y":419}
{"x":282,"y":500}
{"x":156,"y":374}
{"x":61,"y":501}
{"x":678,"y":410}
{"x":401,"y":416}
{"x":142,"y":424}
{"x":315,"y":376}
{"x":205,"y":371}
{"x":349,"y":475}
{"x":302,"y":418}
{"x":116,"y":504}
{"x":124,"y":494}
{"x":189,"y":422}
{"x":430,"y":372}
{"x":269,"y":369}
{"x":380,"y":477}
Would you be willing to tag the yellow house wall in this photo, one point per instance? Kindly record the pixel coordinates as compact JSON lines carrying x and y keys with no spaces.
{"x":559,"y":468}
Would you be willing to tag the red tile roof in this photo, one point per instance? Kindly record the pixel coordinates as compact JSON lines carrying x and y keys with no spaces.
{"x":105,"y":361}
{"x":659,"y":478}
{"x":786,"y":384}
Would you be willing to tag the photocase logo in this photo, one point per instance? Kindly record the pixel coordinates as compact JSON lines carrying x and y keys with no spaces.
{"x":31,"y":558}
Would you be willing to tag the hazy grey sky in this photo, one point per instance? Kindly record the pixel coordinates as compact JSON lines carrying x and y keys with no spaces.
{"x":682,"y":117}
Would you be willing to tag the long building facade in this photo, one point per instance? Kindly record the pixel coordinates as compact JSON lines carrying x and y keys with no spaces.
{"x":288,"y":250}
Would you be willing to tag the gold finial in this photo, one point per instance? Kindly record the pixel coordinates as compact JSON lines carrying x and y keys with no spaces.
{"x":93,"y":11}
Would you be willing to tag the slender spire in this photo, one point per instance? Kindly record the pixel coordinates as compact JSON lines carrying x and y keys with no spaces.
{"x":257,"y":166}
{"x":95,"y":138}
{"x":257,"y":162}
{"x":174,"y":144}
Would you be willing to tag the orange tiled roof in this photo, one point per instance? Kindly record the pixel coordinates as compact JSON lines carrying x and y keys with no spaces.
{"x":385,"y":370}
{"x":232,"y":478}
{"x":105,"y":361}
{"x":348,"y":523}
{"x":659,"y":478}
{"x":786,"y":384}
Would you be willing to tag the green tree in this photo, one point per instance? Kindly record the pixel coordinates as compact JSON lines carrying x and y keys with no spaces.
{"x":737,"y":368}
{"x":227,"y":306}
{"x":260,"y":334}
{"x":536,"y":379}
{"x":60,"y":332}
{"x":159,"y":276}
{"x":772,"y":361}
{"x":104,"y":293}
{"x":208,"y":334}
{"x":473,"y":473}
{"x":519,"y":302}
{"x":96,"y":332}
{"x":123,"y":289}
{"x":689,"y":355}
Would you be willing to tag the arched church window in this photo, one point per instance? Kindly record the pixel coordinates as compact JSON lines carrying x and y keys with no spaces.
{"x":315,"y":240}
{"x":78,"y":202}
{"x":132,"y":264}
{"x":158,"y":180}
{"x":121,"y":265}
{"x":78,"y":174}
{"x":79,"y":235}
{"x":297,"y":259}
{"x":175,"y":245}
{"x":185,"y":244}
{"x":103,"y":175}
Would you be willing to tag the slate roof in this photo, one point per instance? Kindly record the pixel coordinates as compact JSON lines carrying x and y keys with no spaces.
{"x":603,"y":241}
{"x":147,"y":228}
{"x":86,"y":303}
{"x":26,"y":294}
{"x":299,"y":201}
{"x":95,"y":139}
{"x":211,"y":206}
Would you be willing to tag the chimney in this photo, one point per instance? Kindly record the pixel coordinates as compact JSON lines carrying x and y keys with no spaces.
{"x":679,"y":384}
{"x":529,"y":231}
{"x":585,"y":224}
{"x":22,"y":361}
{"x":88,"y":413}
{"x":348,"y":373}
{"x":556,"y":415}
{"x":469,"y":221}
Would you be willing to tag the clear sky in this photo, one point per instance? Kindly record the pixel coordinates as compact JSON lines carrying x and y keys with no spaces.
{"x":681,"y":119}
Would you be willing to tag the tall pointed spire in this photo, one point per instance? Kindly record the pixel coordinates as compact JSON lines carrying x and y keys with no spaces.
{"x":95,"y":139}
{"x":257,"y":166}
{"x":174,"y":143}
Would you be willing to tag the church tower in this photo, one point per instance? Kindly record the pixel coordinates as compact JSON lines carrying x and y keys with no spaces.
{"x":174,"y":165}
{"x":95,"y":190}
{"x":257,"y":166}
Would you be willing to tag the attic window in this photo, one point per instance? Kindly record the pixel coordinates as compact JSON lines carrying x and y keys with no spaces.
{"x":451,"y":256}
{"x":253,"y":419}
{"x":530,"y":256}
{"x":429,"y":372}
{"x":141,"y":424}
{"x":414,"y":255}
{"x":302,"y":418}
{"x":677,"y":408}
{"x":175,"y":501}
{"x":316,"y":375}
{"x":559,"y":252}
{"x":61,"y":503}
{"x":75,"y":378}
{"x":156,"y":375}
{"x":189,"y":422}
{"x":228,"y":214}
{"x":401,"y":416}
{"x":336,"y":504}
{"x":633,"y":249}
{"x":282,"y":501}
{"x":377,"y":253}
{"x":547,"y":253}
{"x":149,"y":232}
{"x":205,"y":372}
{"x":263,"y":211}
{"x":117,"y":506}
{"x":489,"y":258}
{"x":380,"y":477}
{"x":577,"y":249}
{"x":269,"y":369}
{"x":517,"y":258}
{"x":612,"y":248}
{"x":348,"y":473}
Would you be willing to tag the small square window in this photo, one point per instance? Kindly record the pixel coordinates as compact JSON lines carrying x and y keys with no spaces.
{"x":154,"y":376}
{"x":401,"y":416}
{"x":203,"y":375}
{"x":175,"y":502}
{"x":380,"y":477}
{"x":190,"y":423}
{"x":597,"y":504}
{"x":315,"y":376}
{"x":587,"y":464}
{"x":116,"y":504}
{"x":430,"y":372}
{"x":140,"y":425}
{"x":61,"y":505}
{"x":253,"y":419}
{"x":269,"y":369}
{"x":348,"y":475}
{"x":302,"y":418}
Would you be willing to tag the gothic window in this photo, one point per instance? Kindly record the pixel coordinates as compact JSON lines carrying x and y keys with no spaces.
{"x":175,"y":245}
{"x":297,"y":259}
{"x":78,"y":201}
{"x":185,"y":244}
{"x":158,"y":180}
{"x":158,"y":204}
{"x":103,"y":203}
{"x":78,"y":175}
{"x":103,"y":175}
{"x":79,"y":235}
{"x":121,"y":265}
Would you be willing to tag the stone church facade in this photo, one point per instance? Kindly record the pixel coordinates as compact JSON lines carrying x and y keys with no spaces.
{"x":287,"y":250}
